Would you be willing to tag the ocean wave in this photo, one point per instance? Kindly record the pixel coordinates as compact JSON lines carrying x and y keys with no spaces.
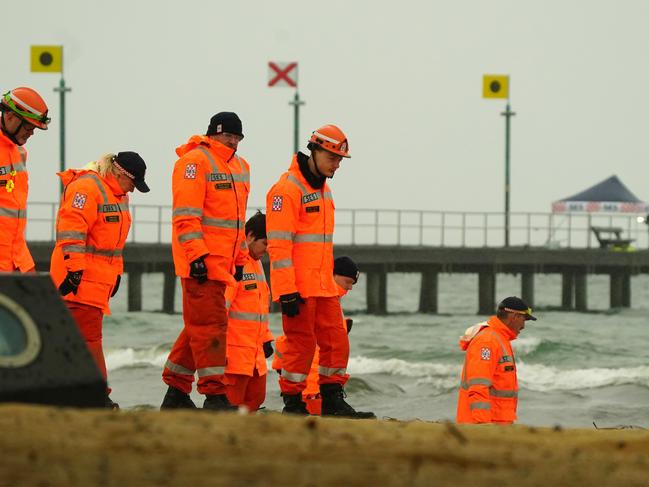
{"x":123,"y":358}
{"x":394,"y":366}
{"x":526,"y":345}
{"x":543,"y":378}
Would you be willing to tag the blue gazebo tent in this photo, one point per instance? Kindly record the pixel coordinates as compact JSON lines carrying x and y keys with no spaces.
{"x":609,"y":196}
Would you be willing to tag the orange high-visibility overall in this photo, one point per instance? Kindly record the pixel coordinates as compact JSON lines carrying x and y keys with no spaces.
{"x":14,"y":185}
{"x":248,"y":305}
{"x":210,"y":186}
{"x":300,"y":225}
{"x":91,"y":229}
{"x":489,"y":386}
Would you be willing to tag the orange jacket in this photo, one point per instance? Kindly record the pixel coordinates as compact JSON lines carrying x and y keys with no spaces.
{"x":14,"y":185}
{"x":300,"y":226}
{"x":210,"y":186}
{"x":248,"y":304}
{"x":489,"y":387}
{"x":91,"y":229}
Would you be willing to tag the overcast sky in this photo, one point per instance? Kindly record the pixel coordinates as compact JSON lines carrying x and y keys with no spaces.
{"x":402,"y":79}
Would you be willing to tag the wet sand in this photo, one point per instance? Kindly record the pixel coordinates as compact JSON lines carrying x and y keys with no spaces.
{"x":42,"y":446}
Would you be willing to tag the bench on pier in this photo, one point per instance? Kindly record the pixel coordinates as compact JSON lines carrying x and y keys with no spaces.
{"x":611,"y":238}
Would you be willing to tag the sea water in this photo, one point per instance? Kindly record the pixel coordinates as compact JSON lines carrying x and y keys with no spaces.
{"x":574,"y":369}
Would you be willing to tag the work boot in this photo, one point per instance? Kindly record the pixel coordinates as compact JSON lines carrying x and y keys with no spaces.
{"x":293,"y":404}
{"x":218,"y":402}
{"x":177,"y":399}
{"x":110,"y":404}
{"x":334,"y":404}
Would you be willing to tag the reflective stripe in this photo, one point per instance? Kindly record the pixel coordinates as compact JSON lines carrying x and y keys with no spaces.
{"x":23,"y":154}
{"x":506,"y":358}
{"x":178,"y":369}
{"x":274,"y":235}
{"x":100,"y":186}
{"x":104,"y":252}
{"x":477,"y":381}
{"x":328,"y":139}
{"x":281,"y":264}
{"x":207,"y":371}
{"x":330,"y":371}
{"x":279,"y":354}
{"x":294,"y":376}
{"x":185,"y":237}
{"x":297,"y":182}
{"x":18,"y":167}
{"x":112,"y":208}
{"x":480,"y":405}
{"x":502,"y":393}
{"x":243,"y":315}
{"x":81,"y":249}
{"x":13,"y":213}
{"x":328,"y":195}
{"x":220,"y":222}
{"x":313,"y":237}
{"x":187,"y":211}
{"x":71,"y":235}
{"x":29,"y":108}
{"x":240,"y":178}
{"x":261,"y":277}
{"x":228,"y":303}
{"x":209,"y":157}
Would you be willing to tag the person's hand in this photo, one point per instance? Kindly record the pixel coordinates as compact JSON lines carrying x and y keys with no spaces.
{"x":268,"y":349}
{"x":290,"y":304}
{"x":238,"y":272}
{"x":71,"y":283}
{"x":198,"y":270}
{"x":349,"y":322}
{"x":117,"y":281}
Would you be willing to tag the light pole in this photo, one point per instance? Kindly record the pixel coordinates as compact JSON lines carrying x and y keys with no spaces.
{"x":296,"y":120}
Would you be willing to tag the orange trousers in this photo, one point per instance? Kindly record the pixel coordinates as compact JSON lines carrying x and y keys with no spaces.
{"x":246,"y":390}
{"x":89,"y":320}
{"x":201,"y":345}
{"x":318,"y":323}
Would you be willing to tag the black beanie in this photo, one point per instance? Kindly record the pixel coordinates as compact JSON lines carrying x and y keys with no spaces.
{"x":228,"y":122}
{"x":345,"y":266}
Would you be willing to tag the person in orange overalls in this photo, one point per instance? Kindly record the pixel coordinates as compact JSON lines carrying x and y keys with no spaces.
{"x":22,"y":110}
{"x":300,"y":222}
{"x":91,"y":228}
{"x":210,"y":184}
{"x":489,"y":385}
{"x":346,"y":275}
{"x":249,"y":339}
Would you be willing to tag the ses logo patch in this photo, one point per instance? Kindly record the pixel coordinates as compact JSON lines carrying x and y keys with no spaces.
{"x":485,"y":353}
{"x":79,"y":201}
{"x":277,"y":203}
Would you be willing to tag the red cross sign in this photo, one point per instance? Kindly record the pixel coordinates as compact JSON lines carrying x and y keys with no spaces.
{"x":282,"y":74}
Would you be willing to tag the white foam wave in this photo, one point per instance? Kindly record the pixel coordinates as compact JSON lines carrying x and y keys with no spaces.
{"x":129,"y":357}
{"x":526,"y":345}
{"x":394,"y":366}
{"x":540,"y":377}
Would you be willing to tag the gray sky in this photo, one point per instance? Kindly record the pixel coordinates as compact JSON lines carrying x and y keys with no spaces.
{"x":402,"y":79}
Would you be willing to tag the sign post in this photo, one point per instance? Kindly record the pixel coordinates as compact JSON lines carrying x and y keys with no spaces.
{"x":49,"y":59}
{"x":497,"y":86}
{"x":285,"y":75}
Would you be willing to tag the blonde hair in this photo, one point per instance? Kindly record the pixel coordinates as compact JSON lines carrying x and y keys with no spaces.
{"x":104,"y":165}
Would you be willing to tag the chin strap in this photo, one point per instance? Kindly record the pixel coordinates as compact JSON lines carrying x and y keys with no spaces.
{"x":12,"y":136}
{"x":315,"y":166}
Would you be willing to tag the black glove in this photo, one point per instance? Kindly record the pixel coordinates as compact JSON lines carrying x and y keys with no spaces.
{"x":117,"y":281}
{"x":290,"y":304}
{"x":198,"y":270}
{"x":268,"y":349}
{"x":71,"y":283}
{"x":349,"y":322}
{"x":238,"y":272}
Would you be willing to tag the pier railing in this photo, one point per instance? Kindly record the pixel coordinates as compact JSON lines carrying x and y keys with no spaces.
{"x":152,"y":224}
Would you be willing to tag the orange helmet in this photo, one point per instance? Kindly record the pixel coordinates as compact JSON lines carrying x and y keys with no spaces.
{"x":331,"y":139}
{"x":27,"y":104}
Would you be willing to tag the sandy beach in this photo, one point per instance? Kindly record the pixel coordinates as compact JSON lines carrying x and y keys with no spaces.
{"x":47,"y":446}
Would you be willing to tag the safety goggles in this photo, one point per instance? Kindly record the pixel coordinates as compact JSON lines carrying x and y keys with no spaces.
{"x":43,"y":118}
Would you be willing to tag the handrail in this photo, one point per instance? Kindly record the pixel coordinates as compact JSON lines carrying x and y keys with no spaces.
{"x":152,"y":224}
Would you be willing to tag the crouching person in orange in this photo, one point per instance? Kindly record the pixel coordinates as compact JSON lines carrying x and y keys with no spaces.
{"x":300,"y":221}
{"x":346,"y":275}
{"x":91,"y":229}
{"x":489,"y":385}
{"x":210,"y":186}
{"x":249,"y":339}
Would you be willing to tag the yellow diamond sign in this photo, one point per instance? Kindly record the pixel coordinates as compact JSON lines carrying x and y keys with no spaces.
{"x":47,"y":59}
{"x":495,"y":86}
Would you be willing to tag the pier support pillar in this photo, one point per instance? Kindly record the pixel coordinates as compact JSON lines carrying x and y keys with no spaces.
{"x":626,"y":291}
{"x":377,"y":290}
{"x":567,"y":290}
{"x":428,"y":291}
{"x":617,"y":288}
{"x":581,"y":291}
{"x":486,"y":292}
{"x":135,"y":290}
{"x":527,"y":288}
{"x":169,"y":291}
